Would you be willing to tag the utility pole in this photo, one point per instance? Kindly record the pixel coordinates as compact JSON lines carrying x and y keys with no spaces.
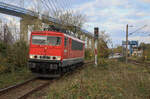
{"x":96,"y":43}
{"x":128,"y":34}
{"x":112,"y":50}
{"x":127,"y":44}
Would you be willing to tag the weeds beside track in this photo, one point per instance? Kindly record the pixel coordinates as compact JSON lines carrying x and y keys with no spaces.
{"x":27,"y":88}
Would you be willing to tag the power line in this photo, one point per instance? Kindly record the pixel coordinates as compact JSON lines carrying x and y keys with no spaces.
{"x":44,"y":4}
{"x":35,"y":5}
{"x":62,"y":4}
{"x":60,"y":10}
{"x":68,"y":7}
{"x":138,"y":29}
{"x":50,"y":4}
{"x":51,"y":9}
{"x":47,"y":7}
{"x":69,"y":3}
{"x":65,"y":3}
{"x":54,"y":4}
{"x":144,"y":33}
{"x":70,"y":10}
{"x":56,"y":11}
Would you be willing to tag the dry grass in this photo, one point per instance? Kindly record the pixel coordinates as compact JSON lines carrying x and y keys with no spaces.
{"x":116,"y":81}
{"x":9,"y":79}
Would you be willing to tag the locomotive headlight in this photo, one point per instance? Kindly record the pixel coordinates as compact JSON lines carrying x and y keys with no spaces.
{"x":31,"y":56}
{"x":58,"y":57}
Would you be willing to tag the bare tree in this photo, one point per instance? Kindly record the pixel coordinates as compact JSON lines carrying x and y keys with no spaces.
{"x":103,"y":42}
{"x":74,"y":19}
{"x":65,"y":16}
{"x":8,"y":37}
{"x":8,"y":32}
{"x":37,"y":6}
{"x":1,"y":30}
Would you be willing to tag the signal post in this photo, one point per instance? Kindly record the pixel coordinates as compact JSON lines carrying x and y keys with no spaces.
{"x":96,"y":43}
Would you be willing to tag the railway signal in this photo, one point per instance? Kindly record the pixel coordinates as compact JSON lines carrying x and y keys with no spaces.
{"x":96,"y":42}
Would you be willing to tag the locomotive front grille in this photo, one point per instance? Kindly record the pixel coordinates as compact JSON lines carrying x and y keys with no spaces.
{"x":43,"y":65}
{"x":45,"y":57}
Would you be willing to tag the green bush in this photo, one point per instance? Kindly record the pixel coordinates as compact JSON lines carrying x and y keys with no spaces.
{"x":18,"y":54}
{"x":122,"y":59}
{"x":3,"y":48}
{"x":103,"y":62}
{"x":13,"y":56}
{"x":4,"y":66}
{"x":88,"y":54}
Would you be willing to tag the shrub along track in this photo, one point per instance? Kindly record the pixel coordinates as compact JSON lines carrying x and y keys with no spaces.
{"x":27,"y":88}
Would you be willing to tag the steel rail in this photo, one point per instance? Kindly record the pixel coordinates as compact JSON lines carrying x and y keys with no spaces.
{"x":4,"y":90}
{"x":139,"y":63}
{"x":34,"y":90}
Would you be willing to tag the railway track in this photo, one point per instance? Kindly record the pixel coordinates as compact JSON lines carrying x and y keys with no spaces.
{"x":140,"y":63}
{"x":27,"y":88}
{"x":5,"y":90}
{"x":23,"y":90}
{"x":35,"y":89}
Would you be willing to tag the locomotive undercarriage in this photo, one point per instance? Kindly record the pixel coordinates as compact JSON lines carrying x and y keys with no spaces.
{"x":49,"y":68}
{"x":45,"y":68}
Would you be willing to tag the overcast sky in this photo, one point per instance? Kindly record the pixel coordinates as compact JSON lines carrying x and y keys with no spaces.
{"x":112,"y":16}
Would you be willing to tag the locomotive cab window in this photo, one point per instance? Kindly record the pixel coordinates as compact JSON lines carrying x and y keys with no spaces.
{"x":54,"y":41}
{"x":38,"y":40}
{"x":46,"y":40}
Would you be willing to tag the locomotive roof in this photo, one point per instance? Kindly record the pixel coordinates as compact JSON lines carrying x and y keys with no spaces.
{"x":74,"y":38}
{"x":59,"y":33}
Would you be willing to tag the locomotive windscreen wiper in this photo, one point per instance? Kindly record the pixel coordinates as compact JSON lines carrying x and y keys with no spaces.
{"x":39,"y":40}
{"x":42,"y":42}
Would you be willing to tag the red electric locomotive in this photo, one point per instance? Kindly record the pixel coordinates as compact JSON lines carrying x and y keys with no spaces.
{"x":52,"y":52}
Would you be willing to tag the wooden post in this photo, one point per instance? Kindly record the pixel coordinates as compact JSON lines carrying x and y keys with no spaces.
{"x":127,"y":44}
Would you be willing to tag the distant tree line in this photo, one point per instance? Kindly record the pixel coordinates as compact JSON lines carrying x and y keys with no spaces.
{"x":146,"y":50}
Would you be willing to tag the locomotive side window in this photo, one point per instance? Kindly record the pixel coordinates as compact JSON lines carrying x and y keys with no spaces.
{"x":76,"y":45}
{"x":46,"y":40}
{"x":65,"y":42}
